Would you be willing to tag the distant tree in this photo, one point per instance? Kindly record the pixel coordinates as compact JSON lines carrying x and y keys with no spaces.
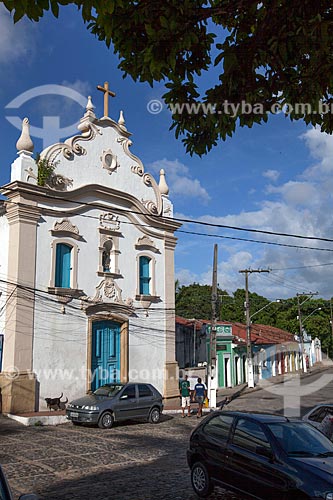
{"x":265,"y":53}
{"x":195,"y":301}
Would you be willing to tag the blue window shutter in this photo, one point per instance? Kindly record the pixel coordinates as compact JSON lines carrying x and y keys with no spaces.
{"x":144,"y":275}
{"x":63,"y":266}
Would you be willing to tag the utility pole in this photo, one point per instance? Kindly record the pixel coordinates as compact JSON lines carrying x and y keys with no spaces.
{"x":301,"y":334}
{"x":331,"y":321}
{"x":250,"y":374}
{"x":212,"y":369}
{"x":194,"y":339}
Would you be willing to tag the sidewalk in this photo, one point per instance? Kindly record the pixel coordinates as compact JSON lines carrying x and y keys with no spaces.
{"x":234,"y":392}
{"x":56,"y":418}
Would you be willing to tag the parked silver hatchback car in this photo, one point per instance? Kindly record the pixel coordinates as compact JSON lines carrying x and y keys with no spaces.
{"x":115,"y":402}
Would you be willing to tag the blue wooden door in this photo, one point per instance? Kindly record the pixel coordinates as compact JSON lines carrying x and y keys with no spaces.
{"x":105,"y":361}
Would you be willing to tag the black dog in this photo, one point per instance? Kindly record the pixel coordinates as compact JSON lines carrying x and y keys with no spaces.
{"x":53,"y":403}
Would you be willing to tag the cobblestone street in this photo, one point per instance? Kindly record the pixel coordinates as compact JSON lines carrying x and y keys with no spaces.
{"x":131,"y":461}
{"x":136,"y":461}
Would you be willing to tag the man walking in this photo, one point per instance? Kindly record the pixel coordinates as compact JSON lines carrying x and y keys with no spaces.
{"x":184,"y":388}
{"x":200,"y":393}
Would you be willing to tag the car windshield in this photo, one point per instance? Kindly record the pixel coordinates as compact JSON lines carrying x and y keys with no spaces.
{"x":109,"y":390}
{"x":299,"y":439}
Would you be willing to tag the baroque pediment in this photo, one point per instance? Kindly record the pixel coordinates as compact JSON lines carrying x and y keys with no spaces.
{"x":146,"y":243}
{"x":64,"y":227}
{"x":100,"y":156}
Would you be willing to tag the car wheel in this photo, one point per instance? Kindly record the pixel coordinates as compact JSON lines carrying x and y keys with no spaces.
{"x":76,"y":423}
{"x":200,"y":480}
{"x":154,"y":415}
{"x":106,"y":420}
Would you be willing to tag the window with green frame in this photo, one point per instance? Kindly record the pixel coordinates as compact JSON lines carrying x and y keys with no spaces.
{"x":63,"y":266}
{"x":145,"y":275}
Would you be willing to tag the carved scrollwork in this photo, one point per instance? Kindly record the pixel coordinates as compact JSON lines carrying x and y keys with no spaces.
{"x":150,"y":206}
{"x":108,"y":220}
{"x":147,"y":180}
{"x":107,"y":292}
{"x":65,"y":225}
{"x":59,"y":182}
{"x":137,"y":169}
{"x":71,"y":146}
{"x":146,"y":243}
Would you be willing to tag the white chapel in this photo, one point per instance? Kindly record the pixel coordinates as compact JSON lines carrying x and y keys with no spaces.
{"x":86,"y":269}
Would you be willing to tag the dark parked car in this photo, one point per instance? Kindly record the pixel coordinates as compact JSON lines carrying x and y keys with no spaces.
{"x":261,"y":456}
{"x":114,"y":402}
{"x":321,"y":416}
{"x":5,"y":492}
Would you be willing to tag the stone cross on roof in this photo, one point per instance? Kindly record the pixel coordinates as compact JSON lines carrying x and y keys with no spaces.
{"x":107,"y":92}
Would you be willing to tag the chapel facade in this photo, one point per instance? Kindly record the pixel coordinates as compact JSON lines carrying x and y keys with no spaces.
{"x":87,"y":269}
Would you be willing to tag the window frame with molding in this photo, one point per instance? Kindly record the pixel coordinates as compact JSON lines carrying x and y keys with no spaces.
{"x":152,"y":276}
{"x":53,"y":288}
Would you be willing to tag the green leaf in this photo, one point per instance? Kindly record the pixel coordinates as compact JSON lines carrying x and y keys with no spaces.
{"x":55,"y":8}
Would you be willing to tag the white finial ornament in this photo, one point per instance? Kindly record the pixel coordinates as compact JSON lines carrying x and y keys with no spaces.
{"x":121,"y":120}
{"x":163,"y":187}
{"x":24,"y":142}
{"x":90,"y":106}
{"x":88,"y":117}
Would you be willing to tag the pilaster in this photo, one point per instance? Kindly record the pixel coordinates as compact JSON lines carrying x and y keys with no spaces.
{"x":171,"y":389}
{"x":23,"y":215}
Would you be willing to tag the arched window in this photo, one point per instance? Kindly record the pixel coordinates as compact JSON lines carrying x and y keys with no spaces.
{"x":145,"y":275}
{"x":63,"y":266}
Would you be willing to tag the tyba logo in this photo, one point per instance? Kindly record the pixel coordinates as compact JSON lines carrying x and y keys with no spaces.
{"x":50,"y":132}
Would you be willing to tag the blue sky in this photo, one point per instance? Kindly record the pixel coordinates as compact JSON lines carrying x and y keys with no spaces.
{"x":275,"y":177}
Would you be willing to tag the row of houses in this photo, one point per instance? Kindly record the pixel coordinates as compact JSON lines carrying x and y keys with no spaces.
{"x":274,"y":351}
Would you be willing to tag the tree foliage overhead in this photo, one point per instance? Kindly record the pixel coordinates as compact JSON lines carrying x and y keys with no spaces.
{"x":264,"y":51}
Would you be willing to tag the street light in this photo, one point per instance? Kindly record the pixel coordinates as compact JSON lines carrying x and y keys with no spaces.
{"x":304,"y":319}
{"x":277,"y":301}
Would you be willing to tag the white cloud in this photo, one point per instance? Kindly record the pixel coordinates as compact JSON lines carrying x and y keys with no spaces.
{"x":296,"y":193}
{"x":186,"y":277}
{"x":321,"y":148}
{"x":81,"y":86}
{"x":179,"y":179}
{"x":299,"y":207}
{"x":272,"y":175}
{"x":17,"y":41}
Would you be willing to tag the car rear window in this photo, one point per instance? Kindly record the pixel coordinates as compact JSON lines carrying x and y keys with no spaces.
{"x":249,"y":435}
{"x":318,"y":415}
{"x":219,"y":427}
{"x":145,"y":390}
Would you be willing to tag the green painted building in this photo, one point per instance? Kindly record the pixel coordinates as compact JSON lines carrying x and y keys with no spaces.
{"x":230,"y":357}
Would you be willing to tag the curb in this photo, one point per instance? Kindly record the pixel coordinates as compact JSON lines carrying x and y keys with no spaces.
{"x":39,"y":420}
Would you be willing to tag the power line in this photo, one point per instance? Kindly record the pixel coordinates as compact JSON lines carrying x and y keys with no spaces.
{"x":301,"y":267}
{"x":178,"y":219}
{"x":254,"y":241}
